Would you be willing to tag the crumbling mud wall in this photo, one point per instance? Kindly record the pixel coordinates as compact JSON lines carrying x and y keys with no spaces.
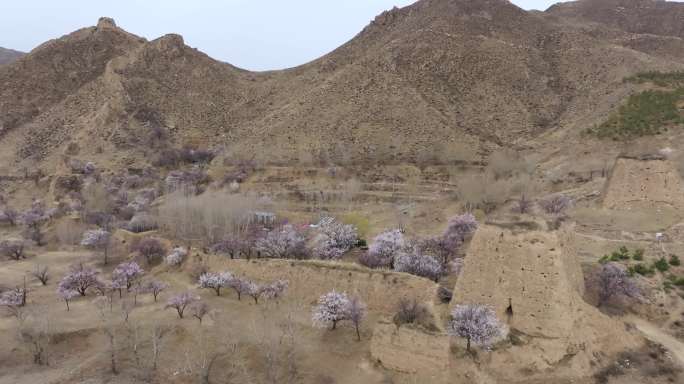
{"x":526,"y":270}
{"x":380,"y":290}
{"x":534,"y":282}
{"x":644,"y":184}
{"x":411,"y":350}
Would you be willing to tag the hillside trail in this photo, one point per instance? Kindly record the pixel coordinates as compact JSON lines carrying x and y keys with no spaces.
{"x":655,"y":334}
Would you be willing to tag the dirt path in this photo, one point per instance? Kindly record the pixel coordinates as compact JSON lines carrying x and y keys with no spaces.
{"x":655,"y":334}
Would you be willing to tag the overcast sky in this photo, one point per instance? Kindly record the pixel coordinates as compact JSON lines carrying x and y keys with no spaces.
{"x":251,"y":34}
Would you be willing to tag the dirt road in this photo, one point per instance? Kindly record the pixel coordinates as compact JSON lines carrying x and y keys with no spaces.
{"x":655,"y":334}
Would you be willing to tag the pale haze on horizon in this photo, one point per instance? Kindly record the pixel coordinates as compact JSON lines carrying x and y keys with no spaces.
{"x":251,"y":34}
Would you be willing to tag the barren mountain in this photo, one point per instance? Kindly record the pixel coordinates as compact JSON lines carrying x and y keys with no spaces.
{"x":9,"y":55}
{"x":434,"y":80}
{"x":657,"y":17}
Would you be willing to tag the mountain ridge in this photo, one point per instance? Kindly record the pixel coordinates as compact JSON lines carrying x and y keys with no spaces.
{"x":433,"y":81}
{"x":8,"y":56}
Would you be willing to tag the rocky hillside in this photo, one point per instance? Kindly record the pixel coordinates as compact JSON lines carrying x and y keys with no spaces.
{"x":9,"y":55}
{"x":438,"y":80}
{"x":657,"y":17}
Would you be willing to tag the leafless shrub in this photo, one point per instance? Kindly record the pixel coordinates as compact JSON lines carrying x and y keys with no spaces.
{"x":556,"y":205}
{"x":444,"y":294}
{"x":412,"y":312}
{"x":41,"y":273}
{"x":523,"y":205}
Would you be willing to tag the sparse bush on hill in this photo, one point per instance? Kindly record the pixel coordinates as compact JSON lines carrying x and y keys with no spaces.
{"x":523,"y":205}
{"x":444,"y":294}
{"x":412,"y":312}
{"x":556,"y":205}
{"x":661,"y":265}
{"x":41,"y":274}
{"x":641,"y":269}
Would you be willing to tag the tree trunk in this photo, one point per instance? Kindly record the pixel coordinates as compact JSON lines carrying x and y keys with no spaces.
{"x":468,"y":344}
{"x":67,"y":304}
{"x":358,"y":334}
{"x":206,"y":371}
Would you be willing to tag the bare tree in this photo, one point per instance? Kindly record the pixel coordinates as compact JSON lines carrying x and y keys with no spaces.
{"x":356,"y":312}
{"x":13,"y":248}
{"x":35,"y":334}
{"x":103,"y":305}
{"x":199,"y":310}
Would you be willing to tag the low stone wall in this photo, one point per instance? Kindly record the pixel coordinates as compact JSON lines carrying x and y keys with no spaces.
{"x":380,"y":290}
